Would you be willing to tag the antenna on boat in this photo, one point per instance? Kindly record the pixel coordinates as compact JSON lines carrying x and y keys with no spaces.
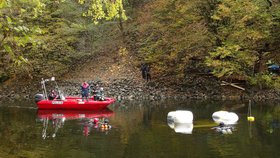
{"x":60,"y":93}
{"x":56,"y":85}
{"x":44,"y":85}
{"x":44,"y":88}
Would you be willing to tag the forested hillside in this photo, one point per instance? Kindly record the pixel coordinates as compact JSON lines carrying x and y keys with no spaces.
{"x":226,"y":38}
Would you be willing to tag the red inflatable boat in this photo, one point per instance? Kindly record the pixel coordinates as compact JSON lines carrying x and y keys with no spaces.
{"x":75,"y":103}
{"x":70,"y":102}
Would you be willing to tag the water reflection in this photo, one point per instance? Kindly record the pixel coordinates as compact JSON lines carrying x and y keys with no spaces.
{"x":140,"y":130}
{"x":184,"y":128}
{"x":53,"y":120}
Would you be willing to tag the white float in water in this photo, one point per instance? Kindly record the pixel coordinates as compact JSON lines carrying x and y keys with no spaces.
{"x":181,"y":121}
{"x":181,"y":116}
{"x":225,"y":117}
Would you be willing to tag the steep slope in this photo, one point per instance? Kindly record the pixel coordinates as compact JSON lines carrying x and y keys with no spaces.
{"x":106,"y":68}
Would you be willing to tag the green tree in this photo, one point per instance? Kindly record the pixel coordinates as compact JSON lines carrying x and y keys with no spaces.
{"x":100,"y":10}
{"x":44,"y":38}
{"x":171,"y":33}
{"x":16,"y":33}
{"x":275,"y":32}
{"x":243,"y":28}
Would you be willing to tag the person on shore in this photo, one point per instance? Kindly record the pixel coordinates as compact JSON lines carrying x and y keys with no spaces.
{"x":143,"y":70}
{"x":85,"y":90}
{"x":148,"y":73}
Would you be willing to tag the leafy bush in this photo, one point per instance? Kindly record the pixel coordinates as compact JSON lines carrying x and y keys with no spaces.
{"x":265,"y":81}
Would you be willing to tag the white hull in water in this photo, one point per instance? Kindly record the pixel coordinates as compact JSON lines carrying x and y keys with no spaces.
{"x":181,"y":121}
{"x":181,"y":116}
{"x":225,"y":117}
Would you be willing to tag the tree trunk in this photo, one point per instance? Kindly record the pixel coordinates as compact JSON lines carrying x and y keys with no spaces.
{"x":121,"y":22}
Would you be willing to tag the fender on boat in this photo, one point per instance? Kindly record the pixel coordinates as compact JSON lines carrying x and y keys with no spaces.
{"x":225,"y":117}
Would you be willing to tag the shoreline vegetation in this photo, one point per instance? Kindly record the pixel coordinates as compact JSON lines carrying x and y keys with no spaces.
{"x":197,"y":49}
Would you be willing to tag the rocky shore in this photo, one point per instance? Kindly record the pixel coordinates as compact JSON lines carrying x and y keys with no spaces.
{"x":193,"y":87}
{"x":122,"y":80}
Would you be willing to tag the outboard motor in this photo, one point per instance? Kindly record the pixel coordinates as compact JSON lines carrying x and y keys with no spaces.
{"x":39,"y":97}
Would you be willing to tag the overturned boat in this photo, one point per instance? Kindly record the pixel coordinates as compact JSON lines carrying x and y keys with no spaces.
{"x":225,"y":117}
{"x":181,"y":121}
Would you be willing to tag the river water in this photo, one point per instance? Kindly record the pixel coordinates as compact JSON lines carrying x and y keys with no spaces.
{"x":137,"y":129}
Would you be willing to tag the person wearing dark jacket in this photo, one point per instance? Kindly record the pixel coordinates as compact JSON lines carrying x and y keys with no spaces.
{"x":148,"y":73}
{"x":143,"y":70}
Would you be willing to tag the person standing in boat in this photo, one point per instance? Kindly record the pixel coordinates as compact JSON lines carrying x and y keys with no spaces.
{"x":85,"y":90}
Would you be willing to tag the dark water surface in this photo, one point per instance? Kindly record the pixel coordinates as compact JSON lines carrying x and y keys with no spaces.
{"x":138,"y":129}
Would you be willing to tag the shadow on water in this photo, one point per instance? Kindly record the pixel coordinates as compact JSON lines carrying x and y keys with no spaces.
{"x":137,"y":129}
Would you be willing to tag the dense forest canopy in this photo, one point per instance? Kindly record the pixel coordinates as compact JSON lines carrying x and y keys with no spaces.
{"x":225,"y":37}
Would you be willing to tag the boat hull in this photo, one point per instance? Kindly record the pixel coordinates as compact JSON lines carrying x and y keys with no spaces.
{"x":75,"y":103}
